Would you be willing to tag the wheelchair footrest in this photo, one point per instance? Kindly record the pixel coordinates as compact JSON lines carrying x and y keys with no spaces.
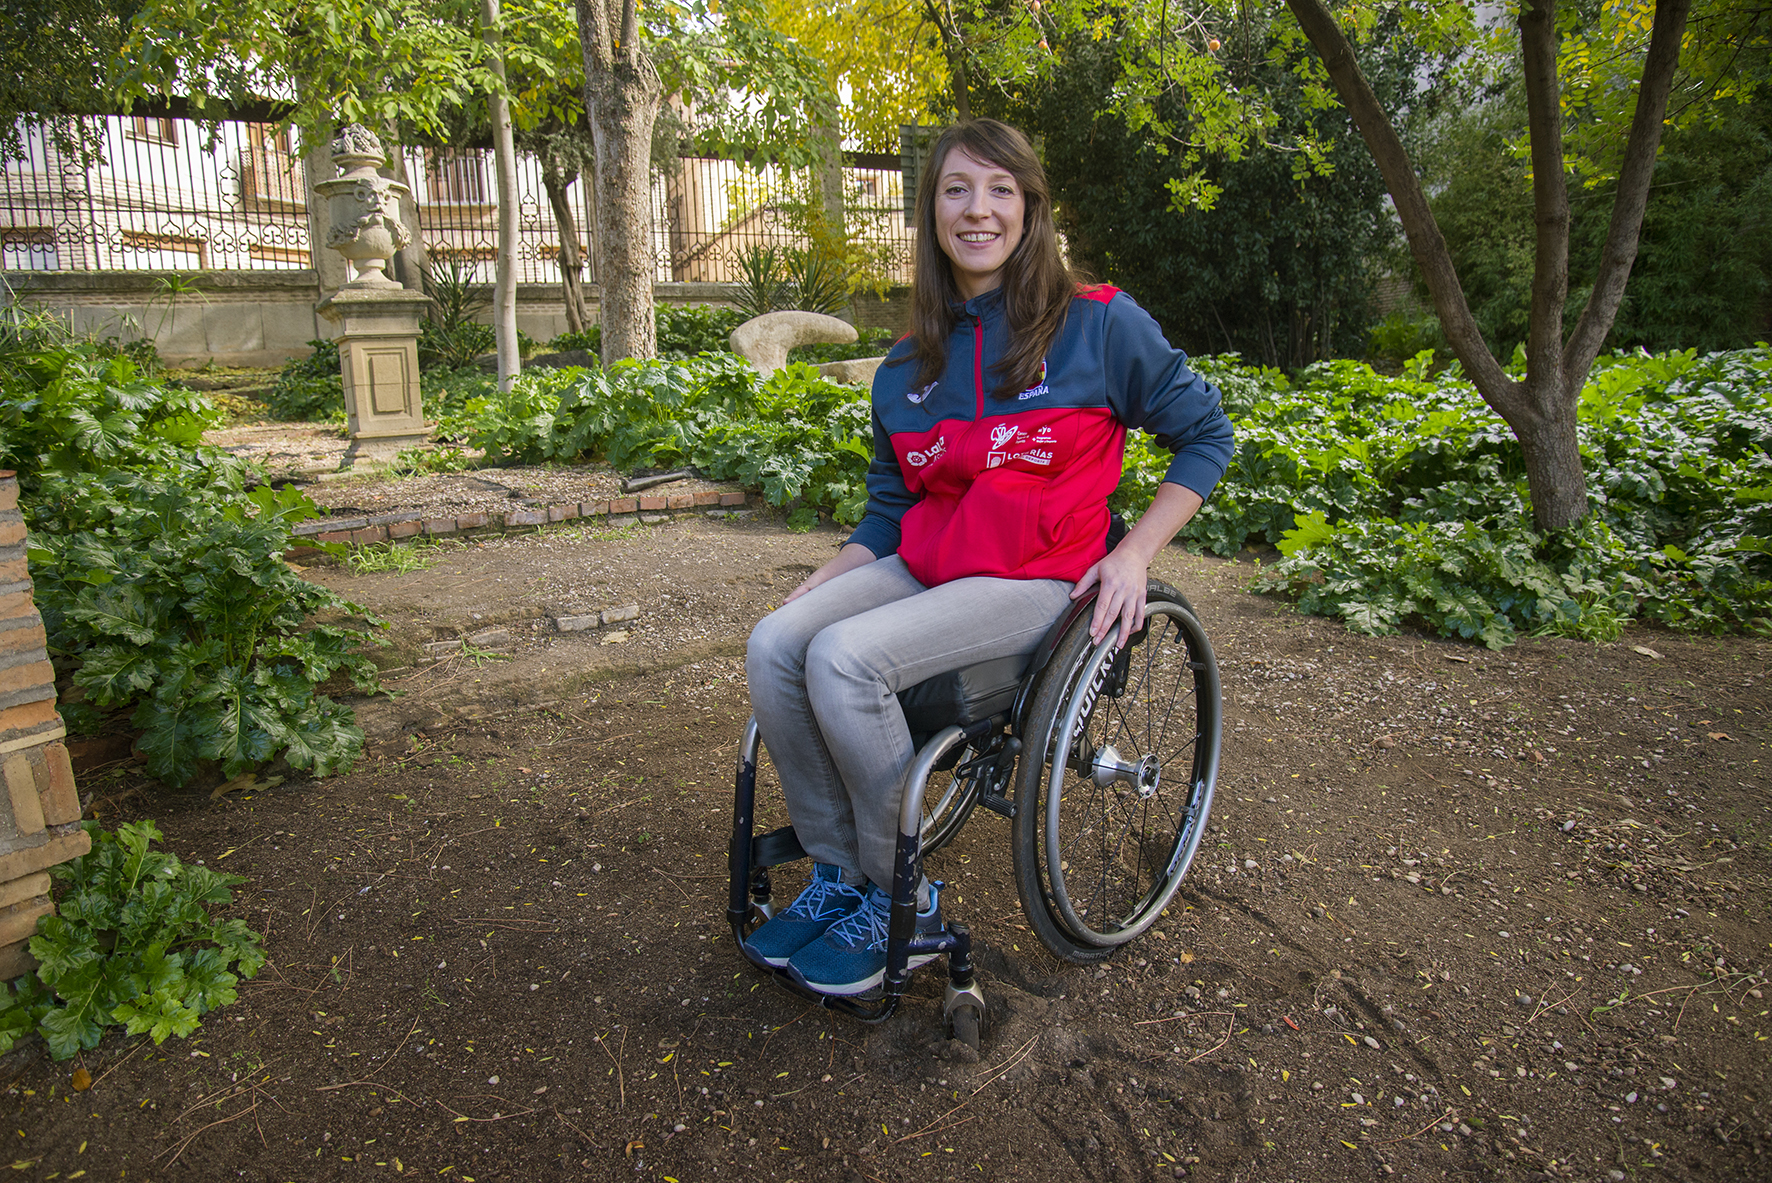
{"x":776,"y":847}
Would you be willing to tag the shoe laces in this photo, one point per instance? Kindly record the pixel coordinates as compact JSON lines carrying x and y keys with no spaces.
{"x":822,"y":899}
{"x":864,"y":928}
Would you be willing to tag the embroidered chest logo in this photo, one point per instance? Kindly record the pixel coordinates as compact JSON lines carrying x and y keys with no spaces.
{"x":1037,"y":389}
{"x":1006,"y":436}
{"x":919,"y":459}
{"x":917,"y":396}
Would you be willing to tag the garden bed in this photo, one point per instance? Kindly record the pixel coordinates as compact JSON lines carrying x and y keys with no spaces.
{"x":1466,"y":913}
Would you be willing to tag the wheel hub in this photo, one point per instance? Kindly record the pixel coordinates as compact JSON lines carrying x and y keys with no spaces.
{"x":1143,"y":775}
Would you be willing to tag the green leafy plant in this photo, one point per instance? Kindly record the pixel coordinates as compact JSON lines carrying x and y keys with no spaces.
{"x":817,"y":281}
{"x":309,"y":388}
{"x":134,"y":945}
{"x":868,"y":343}
{"x":1403,"y":499}
{"x":684,"y":330}
{"x":762,"y":280}
{"x":452,"y":336}
{"x":175,"y":599}
{"x":68,"y":409}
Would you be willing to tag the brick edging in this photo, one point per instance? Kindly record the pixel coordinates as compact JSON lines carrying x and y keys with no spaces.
{"x":396,"y":526}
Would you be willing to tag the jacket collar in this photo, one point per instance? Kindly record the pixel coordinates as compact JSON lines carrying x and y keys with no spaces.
{"x":985,"y":307}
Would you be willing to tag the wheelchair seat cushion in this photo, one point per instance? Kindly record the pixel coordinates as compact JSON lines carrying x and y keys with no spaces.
{"x":962,"y":696}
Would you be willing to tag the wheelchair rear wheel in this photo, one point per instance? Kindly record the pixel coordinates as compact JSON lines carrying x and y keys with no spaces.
{"x":1119,"y":763}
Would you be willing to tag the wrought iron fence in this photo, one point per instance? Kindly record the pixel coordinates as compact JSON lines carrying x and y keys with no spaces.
{"x":163,"y":194}
{"x":159,"y":194}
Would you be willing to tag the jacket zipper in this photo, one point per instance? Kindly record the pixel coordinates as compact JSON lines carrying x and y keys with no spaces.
{"x":978,"y":365}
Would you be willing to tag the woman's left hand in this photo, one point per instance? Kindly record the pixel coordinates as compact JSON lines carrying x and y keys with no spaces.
{"x":1123,"y":577}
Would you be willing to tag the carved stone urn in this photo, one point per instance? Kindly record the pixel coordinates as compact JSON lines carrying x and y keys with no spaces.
{"x":364,"y":207}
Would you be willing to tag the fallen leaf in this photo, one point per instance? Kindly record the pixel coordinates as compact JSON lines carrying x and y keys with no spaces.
{"x":1720,"y":735}
{"x":1645,"y":651}
{"x":1287,"y":1019}
{"x":636,"y":1144}
{"x":82,"y":1080}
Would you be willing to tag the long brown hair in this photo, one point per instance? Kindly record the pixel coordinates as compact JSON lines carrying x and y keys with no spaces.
{"x":1037,"y":286}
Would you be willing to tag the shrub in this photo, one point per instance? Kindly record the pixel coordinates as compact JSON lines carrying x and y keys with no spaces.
{"x":683,"y":331}
{"x":309,"y":388}
{"x":174,"y":597}
{"x":133,"y":945}
{"x":1404,"y":499}
{"x":161,"y":573}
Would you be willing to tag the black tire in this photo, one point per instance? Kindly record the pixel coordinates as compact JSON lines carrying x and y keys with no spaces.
{"x":966,"y":1025}
{"x":1100,"y":850}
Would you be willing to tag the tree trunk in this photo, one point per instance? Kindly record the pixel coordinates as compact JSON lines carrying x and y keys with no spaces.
{"x":504,"y":154}
{"x":557,"y":180}
{"x":939,"y":15}
{"x":622,"y":98}
{"x":1553,"y":457}
{"x":1540,"y":410}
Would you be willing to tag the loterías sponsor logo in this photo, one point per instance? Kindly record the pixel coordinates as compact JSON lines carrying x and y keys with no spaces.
{"x":919,"y":459}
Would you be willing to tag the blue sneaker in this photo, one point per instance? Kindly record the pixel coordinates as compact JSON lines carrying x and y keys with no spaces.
{"x":826,"y":900}
{"x":850,"y":958}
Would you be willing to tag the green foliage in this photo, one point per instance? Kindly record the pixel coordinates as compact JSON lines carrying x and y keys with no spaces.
{"x":174,"y":597}
{"x":455,"y":346}
{"x":683,"y":331}
{"x":1403,"y":499}
{"x":1404,"y":333}
{"x":425,"y":461}
{"x":309,"y":388}
{"x":868,"y":343}
{"x":401,"y":558}
{"x":1280,"y":267}
{"x":133,"y":945}
{"x":1703,"y":271}
{"x":795,"y":436}
{"x":809,"y":278}
{"x":446,"y":393}
{"x":69,"y":409}
{"x":762,"y":285}
{"x":163,"y":575}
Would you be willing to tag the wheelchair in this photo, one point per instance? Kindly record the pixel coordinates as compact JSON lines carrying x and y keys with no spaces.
{"x":1103,"y":759}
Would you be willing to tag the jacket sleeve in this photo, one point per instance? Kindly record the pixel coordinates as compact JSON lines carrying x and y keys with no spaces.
{"x":1149,"y":386}
{"x":888,"y":498}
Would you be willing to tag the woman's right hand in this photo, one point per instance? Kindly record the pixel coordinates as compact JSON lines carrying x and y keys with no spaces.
{"x":853,"y":555}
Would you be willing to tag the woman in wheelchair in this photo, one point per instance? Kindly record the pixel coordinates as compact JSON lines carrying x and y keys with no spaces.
{"x":999,"y":426}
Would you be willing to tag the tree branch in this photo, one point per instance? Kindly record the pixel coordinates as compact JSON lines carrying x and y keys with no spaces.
{"x":1425,"y":240}
{"x":630,"y":32}
{"x":1550,"y":188}
{"x":1632,"y":200}
{"x":593,"y":34}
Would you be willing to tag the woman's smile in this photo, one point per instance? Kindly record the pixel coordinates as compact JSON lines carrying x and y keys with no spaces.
{"x":979,"y":213}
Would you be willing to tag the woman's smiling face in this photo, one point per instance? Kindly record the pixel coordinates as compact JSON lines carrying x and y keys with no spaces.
{"x":978,"y":215}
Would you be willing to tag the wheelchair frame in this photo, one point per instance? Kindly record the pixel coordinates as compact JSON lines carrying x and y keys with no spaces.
{"x":986,"y":776}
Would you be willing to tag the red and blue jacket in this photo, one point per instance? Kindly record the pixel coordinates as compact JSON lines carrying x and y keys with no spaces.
{"x":963,"y":483}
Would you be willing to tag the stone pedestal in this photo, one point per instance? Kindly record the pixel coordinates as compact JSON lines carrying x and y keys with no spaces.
{"x":378,"y":354}
{"x":377,"y":318}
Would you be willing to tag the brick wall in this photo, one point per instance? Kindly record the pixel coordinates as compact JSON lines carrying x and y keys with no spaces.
{"x":40,"y":809}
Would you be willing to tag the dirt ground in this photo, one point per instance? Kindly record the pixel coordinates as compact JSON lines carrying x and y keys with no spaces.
{"x":1462,"y":915}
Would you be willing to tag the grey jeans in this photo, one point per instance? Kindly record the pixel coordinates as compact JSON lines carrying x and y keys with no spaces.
{"x":824,"y":673}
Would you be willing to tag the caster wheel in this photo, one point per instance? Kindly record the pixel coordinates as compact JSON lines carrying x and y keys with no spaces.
{"x":965,"y":1025}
